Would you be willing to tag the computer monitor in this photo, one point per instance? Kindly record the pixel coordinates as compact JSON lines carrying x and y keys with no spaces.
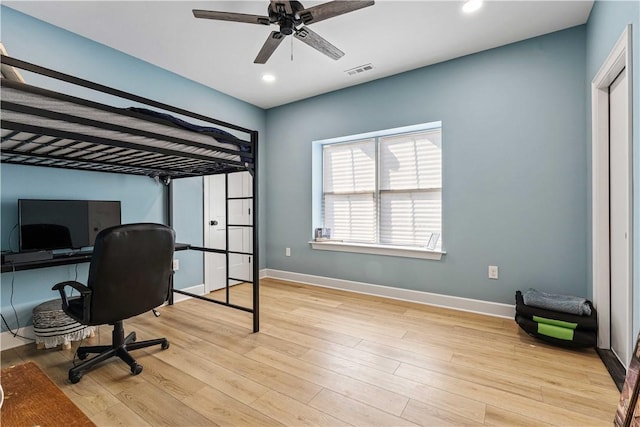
{"x":64,"y":224}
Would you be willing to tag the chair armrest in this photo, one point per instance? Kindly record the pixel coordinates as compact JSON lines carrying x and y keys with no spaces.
{"x":85,"y":294}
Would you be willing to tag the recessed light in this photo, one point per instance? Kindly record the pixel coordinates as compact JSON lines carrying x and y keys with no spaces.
{"x":269,"y":78}
{"x":471,"y":6}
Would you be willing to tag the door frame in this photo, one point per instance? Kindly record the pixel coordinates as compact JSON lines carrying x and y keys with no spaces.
{"x":619,"y":58}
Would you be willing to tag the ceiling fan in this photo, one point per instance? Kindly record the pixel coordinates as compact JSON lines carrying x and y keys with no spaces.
{"x":292,"y":18}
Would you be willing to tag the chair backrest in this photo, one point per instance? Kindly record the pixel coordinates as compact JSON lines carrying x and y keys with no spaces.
{"x":130,"y":271}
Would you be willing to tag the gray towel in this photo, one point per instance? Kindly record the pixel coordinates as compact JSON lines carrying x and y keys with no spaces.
{"x":562,"y":303}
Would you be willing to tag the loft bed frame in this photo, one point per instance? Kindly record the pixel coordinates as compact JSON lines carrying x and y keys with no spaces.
{"x":41,"y":127}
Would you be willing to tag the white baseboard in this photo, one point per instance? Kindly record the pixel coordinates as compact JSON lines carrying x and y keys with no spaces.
{"x":7,"y":340}
{"x":197,"y":290}
{"x":457,"y":303}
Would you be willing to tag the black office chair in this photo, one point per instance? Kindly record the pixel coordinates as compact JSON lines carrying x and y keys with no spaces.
{"x":130,"y":273}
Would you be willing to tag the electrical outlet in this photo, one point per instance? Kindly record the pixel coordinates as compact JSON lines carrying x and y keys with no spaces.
{"x":287,"y":252}
{"x":493,"y":272}
{"x":176,"y":265}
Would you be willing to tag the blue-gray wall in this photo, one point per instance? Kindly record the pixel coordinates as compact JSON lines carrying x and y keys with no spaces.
{"x":514,"y":170}
{"x":606,"y":23}
{"x":142,"y":198}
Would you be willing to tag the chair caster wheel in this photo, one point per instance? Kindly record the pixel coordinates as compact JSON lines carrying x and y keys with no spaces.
{"x":74,"y":378}
{"x":133,"y":337}
{"x":165,"y":345}
{"x":136,"y":369}
{"x":82,"y":355}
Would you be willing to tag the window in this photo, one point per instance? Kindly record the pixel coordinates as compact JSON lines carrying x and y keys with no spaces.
{"x":385,"y":189}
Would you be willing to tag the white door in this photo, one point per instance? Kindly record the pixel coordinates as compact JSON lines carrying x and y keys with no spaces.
{"x":215,"y":228}
{"x":619,"y":206}
{"x":215,"y":270}
{"x":240,"y":236}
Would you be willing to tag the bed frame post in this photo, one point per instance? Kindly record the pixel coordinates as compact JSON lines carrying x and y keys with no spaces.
{"x":226,"y":233}
{"x":169,"y":213}
{"x":256,"y":244}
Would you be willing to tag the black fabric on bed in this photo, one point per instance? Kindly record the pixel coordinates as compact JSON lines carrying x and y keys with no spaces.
{"x":184,"y":124}
{"x":583,"y":322}
{"x":207,"y":130}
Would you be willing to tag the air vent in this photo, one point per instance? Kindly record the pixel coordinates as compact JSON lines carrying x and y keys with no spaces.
{"x":359,"y":69}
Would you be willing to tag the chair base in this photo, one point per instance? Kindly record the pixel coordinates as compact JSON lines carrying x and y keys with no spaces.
{"x":119,"y":347}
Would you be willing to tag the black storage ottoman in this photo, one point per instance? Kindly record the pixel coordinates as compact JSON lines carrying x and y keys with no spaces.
{"x":564,"y":329}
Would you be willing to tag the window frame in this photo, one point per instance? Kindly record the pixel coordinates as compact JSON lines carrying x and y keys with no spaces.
{"x":369,"y":248}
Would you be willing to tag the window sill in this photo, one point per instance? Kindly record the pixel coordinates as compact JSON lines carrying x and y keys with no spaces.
{"x":363,"y":248}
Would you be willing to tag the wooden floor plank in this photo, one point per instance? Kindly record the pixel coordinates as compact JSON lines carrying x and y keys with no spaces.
{"x":290,"y":412}
{"x":372,"y":395}
{"x":119,"y":415}
{"x":403,"y":386}
{"x":275,"y":379}
{"x":371,"y":359}
{"x":354,"y":412}
{"x":224,"y":410}
{"x":426,"y":414}
{"x":522,"y":405}
{"x":243,"y":389}
{"x":159,"y":408}
{"x":499,"y":417}
{"x":413,"y":354}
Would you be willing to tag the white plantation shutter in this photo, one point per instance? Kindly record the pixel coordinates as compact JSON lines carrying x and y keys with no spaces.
{"x":411,"y":161}
{"x":351,"y":217}
{"x":385,"y":190}
{"x":349,"y":185}
{"x":409,"y":218}
{"x":410,"y":188}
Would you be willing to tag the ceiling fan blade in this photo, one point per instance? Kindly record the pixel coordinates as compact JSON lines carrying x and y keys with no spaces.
{"x":230,"y":16}
{"x":269,"y":46}
{"x":281,"y":6}
{"x":307,"y":36}
{"x":331,"y":9}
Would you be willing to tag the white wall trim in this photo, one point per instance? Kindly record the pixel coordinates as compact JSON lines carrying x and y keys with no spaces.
{"x":428,"y":298}
{"x":7,"y":340}
{"x":618,"y":59}
{"x":197,"y":290}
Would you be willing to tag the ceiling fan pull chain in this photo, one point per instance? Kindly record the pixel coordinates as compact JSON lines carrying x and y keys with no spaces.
{"x":291,"y":49}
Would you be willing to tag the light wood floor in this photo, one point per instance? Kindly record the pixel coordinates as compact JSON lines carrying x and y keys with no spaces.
{"x":330,"y":358}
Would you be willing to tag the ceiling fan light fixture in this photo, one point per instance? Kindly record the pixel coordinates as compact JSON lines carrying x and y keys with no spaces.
{"x":268,"y":78}
{"x":471,"y":6}
{"x":292,"y":18}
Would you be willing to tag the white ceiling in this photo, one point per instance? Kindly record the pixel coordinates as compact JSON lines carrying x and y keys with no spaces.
{"x":394,"y":36}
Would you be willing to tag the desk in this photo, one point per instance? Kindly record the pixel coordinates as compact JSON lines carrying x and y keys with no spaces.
{"x":63,"y":259}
